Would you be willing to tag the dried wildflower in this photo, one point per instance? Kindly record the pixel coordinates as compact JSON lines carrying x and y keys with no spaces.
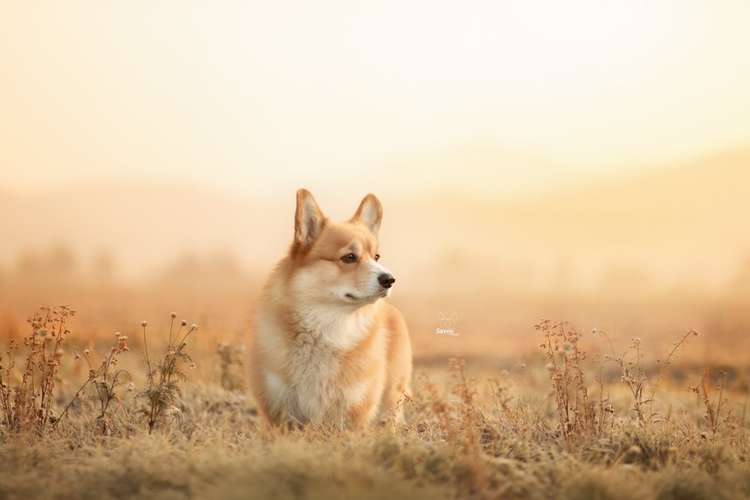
{"x":163,"y":391}
{"x":106,"y":379}
{"x":26,"y":402}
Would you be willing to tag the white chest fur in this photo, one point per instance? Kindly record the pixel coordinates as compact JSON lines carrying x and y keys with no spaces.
{"x":311,"y":388}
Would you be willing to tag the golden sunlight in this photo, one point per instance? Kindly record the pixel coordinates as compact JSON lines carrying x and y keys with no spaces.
{"x":151,"y":91}
{"x":375,"y":249}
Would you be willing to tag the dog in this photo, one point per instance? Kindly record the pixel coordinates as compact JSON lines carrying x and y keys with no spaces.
{"x":328,"y":349}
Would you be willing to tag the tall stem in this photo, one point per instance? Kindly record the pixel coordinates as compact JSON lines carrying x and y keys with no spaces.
{"x":145,"y":350}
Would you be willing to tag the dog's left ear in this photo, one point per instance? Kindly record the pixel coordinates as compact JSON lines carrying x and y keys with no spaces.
{"x":369,"y":213}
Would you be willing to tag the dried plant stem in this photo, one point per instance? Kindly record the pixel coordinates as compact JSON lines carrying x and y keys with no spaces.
{"x":668,"y":360}
{"x":162,"y":393}
{"x":72,"y":400}
{"x":145,"y":351}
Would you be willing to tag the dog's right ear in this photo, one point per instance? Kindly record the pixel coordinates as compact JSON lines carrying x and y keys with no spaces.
{"x":308,"y":219}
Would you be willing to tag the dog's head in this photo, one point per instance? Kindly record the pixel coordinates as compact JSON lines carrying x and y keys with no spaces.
{"x":338,"y":262}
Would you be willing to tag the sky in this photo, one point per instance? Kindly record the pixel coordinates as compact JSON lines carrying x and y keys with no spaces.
{"x":263,"y":97}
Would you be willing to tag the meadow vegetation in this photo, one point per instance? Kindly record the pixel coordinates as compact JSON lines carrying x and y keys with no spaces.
{"x":136,"y":416}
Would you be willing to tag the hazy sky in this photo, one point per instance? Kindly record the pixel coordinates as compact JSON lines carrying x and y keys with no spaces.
{"x":258,"y":96}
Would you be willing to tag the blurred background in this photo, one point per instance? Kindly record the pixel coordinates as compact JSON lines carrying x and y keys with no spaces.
{"x":583,"y":160}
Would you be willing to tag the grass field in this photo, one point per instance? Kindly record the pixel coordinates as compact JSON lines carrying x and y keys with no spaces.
{"x":563,"y":188}
{"x":563,"y":424}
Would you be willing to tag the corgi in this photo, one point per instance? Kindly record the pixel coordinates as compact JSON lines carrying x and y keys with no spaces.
{"x":327,"y":348}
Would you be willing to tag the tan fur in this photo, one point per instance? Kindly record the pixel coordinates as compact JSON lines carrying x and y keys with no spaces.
{"x":328,"y":349}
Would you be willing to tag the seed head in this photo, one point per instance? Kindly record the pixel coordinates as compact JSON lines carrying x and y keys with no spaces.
{"x":144,"y":324}
{"x":173,"y":315}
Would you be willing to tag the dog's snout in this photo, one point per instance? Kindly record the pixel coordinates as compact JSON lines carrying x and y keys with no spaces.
{"x":386,"y":280}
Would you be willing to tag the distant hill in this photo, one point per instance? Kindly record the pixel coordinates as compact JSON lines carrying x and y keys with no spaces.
{"x":142,"y":225}
{"x":678,"y":223}
{"x":679,"y":219}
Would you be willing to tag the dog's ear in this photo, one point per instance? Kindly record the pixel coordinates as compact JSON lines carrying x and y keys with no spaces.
{"x":308,"y":218}
{"x":369,"y":213}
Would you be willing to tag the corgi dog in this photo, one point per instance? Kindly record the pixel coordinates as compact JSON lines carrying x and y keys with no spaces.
{"x":328,"y":349}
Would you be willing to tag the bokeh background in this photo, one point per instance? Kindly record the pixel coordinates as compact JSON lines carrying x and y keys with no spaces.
{"x":585,"y":161}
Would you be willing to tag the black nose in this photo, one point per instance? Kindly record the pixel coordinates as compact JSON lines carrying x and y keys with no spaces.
{"x":386,"y":280}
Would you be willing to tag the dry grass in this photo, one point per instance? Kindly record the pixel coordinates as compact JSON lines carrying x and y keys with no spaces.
{"x":565,"y":426}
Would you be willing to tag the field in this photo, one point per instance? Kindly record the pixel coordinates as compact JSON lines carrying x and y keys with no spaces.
{"x":548,"y":412}
{"x":638,"y":388}
{"x":565,"y":188}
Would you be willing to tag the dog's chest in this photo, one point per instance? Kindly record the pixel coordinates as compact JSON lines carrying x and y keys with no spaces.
{"x":318,"y":390}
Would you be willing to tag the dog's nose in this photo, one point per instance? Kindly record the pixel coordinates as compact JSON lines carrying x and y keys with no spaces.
{"x":386,"y":280}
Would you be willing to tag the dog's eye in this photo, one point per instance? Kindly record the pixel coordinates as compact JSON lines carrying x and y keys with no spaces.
{"x":349,"y":258}
{"x":377,"y":256}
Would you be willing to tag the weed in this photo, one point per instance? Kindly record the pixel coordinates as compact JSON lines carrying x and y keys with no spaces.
{"x":576,"y":412}
{"x":26,"y":404}
{"x":633,"y":373}
{"x":712,"y":408}
{"x":163,"y":390}
{"x":105,"y":378}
